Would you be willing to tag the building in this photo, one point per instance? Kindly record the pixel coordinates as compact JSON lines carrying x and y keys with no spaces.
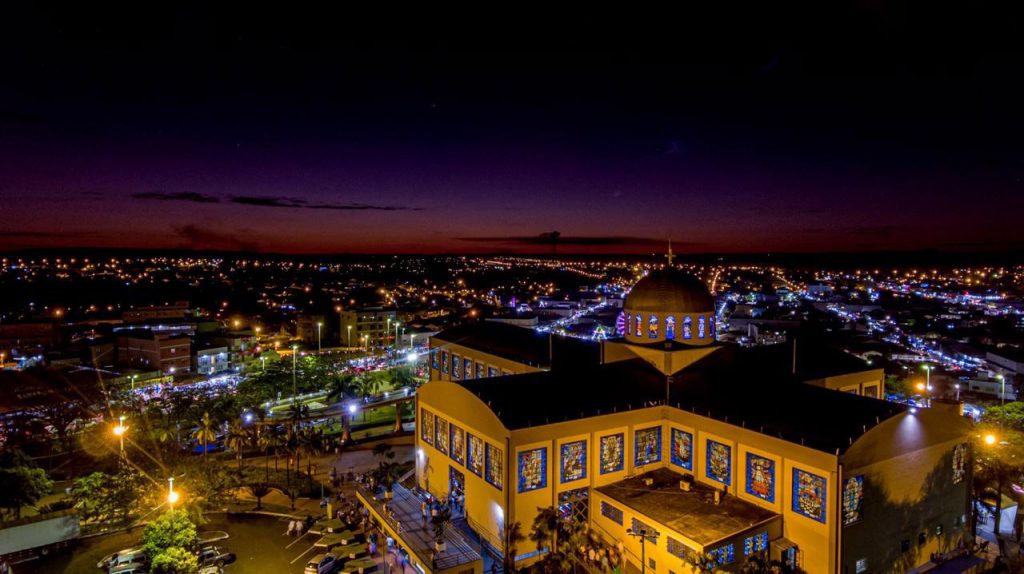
{"x":311,"y":329}
{"x":244,"y":350}
{"x":212,"y":360}
{"x":177,"y":311}
{"x":29,"y":335}
{"x":707,"y":448}
{"x":372,"y":326}
{"x":143,"y":349}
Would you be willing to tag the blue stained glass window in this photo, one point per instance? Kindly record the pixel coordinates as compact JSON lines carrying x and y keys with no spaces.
{"x":492,"y":372}
{"x":639,"y":325}
{"x":652,"y":327}
{"x":574,"y":461}
{"x":467,"y":367}
{"x":444,"y":362}
{"x":481,"y":370}
{"x":755,"y":543}
{"x":611,"y":513}
{"x":682,"y":449}
{"x":700,"y":327}
{"x":761,"y":477}
{"x":433,"y":360}
{"x":647,"y":446}
{"x":456,"y":366}
{"x":670,"y":327}
{"x":687,"y":327}
{"x":723,"y":554}
{"x":676,"y":548}
{"x":809,"y":492}
{"x":711,"y":326}
{"x":719,"y":462}
{"x":627,"y":322}
{"x":533,"y":469}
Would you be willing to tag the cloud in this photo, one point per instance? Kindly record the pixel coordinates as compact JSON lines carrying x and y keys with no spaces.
{"x":292,"y":202}
{"x":195,"y":237}
{"x":46,"y":234}
{"x":265,"y":201}
{"x":190,"y":196}
{"x":556,"y":238}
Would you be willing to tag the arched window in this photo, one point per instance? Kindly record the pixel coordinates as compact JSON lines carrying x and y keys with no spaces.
{"x":639,"y":325}
{"x":627,"y":323}
{"x":687,"y":327}
{"x":670,"y":327}
{"x":652,"y":327}
{"x":700,"y":327}
{"x":711,"y":326}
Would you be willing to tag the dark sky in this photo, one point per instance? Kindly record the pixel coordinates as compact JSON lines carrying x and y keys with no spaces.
{"x":181,"y":132}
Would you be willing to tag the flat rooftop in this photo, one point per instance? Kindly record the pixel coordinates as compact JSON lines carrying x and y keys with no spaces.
{"x":693,"y":514}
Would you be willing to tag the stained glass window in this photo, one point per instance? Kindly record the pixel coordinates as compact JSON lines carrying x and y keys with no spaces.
{"x":444,"y":362}
{"x":427,"y":426}
{"x":676,"y":548}
{"x":687,"y":327}
{"x":682,"y":449}
{"x":700,"y":327}
{"x":433,"y":360}
{"x":755,"y":543}
{"x":809,"y":495}
{"x":670,"y":327}
{"x":574,"y":461}
{"x":719,"y":462}
{"x":853,"y":499}
{"x":467,"y":367}
{"x":458,"y":444}
{"x":959,"y":463}
{"x":641,"y":526}
{"x":652,"y":327}
{"x":481,"y":370}
{"x":611,"y":513}
{"x":533,"y":469}
{"x":475,"y":454}
{"x":495,"y":465}
{"x":647,"y":446}
{"x":723,"y":554}
{"x":626,"y":323}
{"x":711,"y":326}
{"x":761,"y":477}
{"x":612,"y":453}
{"x":442,"y":435}
{"x":639,"y":325}
{"x":456,"y":366}
{"x":492,"y":372}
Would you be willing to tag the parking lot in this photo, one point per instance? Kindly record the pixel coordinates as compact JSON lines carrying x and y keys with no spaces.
{"x":260,"y":542}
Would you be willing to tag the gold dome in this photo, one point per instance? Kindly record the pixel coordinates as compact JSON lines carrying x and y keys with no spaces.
{"x":669,"y":290}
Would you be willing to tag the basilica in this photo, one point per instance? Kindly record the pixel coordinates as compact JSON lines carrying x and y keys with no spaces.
{"x":667,"y":443}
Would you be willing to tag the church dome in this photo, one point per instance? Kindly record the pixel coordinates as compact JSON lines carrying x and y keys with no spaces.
{"x":669,"y":305}
{"x":669,"y":290}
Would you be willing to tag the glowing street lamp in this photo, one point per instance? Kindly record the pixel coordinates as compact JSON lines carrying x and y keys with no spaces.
{"x":990,"y":439}
{"x":349,"y":329}
{"x":172,"y":495}
{"x":295,"y":353}
{"x":319,"y":326}
{"x":1002,"y":388}
{"x":119,"y":431}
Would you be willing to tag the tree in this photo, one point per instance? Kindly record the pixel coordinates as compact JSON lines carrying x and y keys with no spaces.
{"x":896,"y":385}
{"x":236,"y":439}
{"x":512,"y":536}
{"x":402,"y":377}
{"x":258,"y":491}
{"x":1010,"y":415}
{"x":22,"y":485}
{"x":384,"y":452}
{"x":700,"y":562}
{"x":206,"y":432}
{"x":998,"y":464}
{"x":545,"y":528}
{"x":440,"y":522}
{"x":172,"y":529}
{"x":101,"y":497}
{"x":175,"y":560}
{"x":339,"y":387}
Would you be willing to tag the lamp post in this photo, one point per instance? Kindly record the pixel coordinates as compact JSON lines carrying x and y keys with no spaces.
{"x":957,"y":387}
{"x":397,"y":324}
{"x":387,"y":331}
{"x":643,"y":536}
{"x":928,"y":382}
{"x":319,"y":326}
{"x":133,"y":377}
{"x":172,"y":496}
{"x":1002,"y":389}
{"x":119,"y":432}
{"x":349,"y":329}
{"x":295,"y":352}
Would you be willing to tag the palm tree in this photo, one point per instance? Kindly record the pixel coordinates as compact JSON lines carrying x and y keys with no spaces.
{"x":258,"y":491}
{"x":205,"y":433}
{"x":513,"y":535}
{"x":368,"y":385}
{"x":236,"y":440}
{"x":339,"y":387}
{"x":545,"y":528}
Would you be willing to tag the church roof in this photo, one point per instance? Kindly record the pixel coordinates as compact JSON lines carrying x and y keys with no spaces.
{"x":671,"y":290}
{"x":521,"y":344}
{"x":752,"y":390}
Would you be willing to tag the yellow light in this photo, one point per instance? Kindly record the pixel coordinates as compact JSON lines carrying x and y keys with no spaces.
{"x":920,"y":386}
{"x":119,"y":430}
{"x":990,"y":439}
{"x":172,"y":497}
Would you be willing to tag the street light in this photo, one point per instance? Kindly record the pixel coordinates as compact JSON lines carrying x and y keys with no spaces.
{"x":957,"y":387}
{"x":643,"y":535}
{"x":119,"y":431}
{"x":172,"y":496}
{"x":349,"y":329}
{"x":319,"y":325}
{"x":990,"y":439}
{"x":1002,"y":388}
{"x":295,"y":353}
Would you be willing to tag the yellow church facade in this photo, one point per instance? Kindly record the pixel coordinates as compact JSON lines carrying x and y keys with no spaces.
{"x":707,"y":449}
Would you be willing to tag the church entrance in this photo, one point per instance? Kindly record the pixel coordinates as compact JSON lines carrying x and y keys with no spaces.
{"x":456,"y":491}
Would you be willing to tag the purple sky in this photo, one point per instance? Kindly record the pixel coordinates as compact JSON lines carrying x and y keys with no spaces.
{"x":231,"y":146}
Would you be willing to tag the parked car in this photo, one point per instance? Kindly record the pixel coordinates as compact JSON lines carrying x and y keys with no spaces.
{"x":120,"y":557}
{"x":321,"y":564}
{"x":214,"y":556}
{"x":130,"y":568}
